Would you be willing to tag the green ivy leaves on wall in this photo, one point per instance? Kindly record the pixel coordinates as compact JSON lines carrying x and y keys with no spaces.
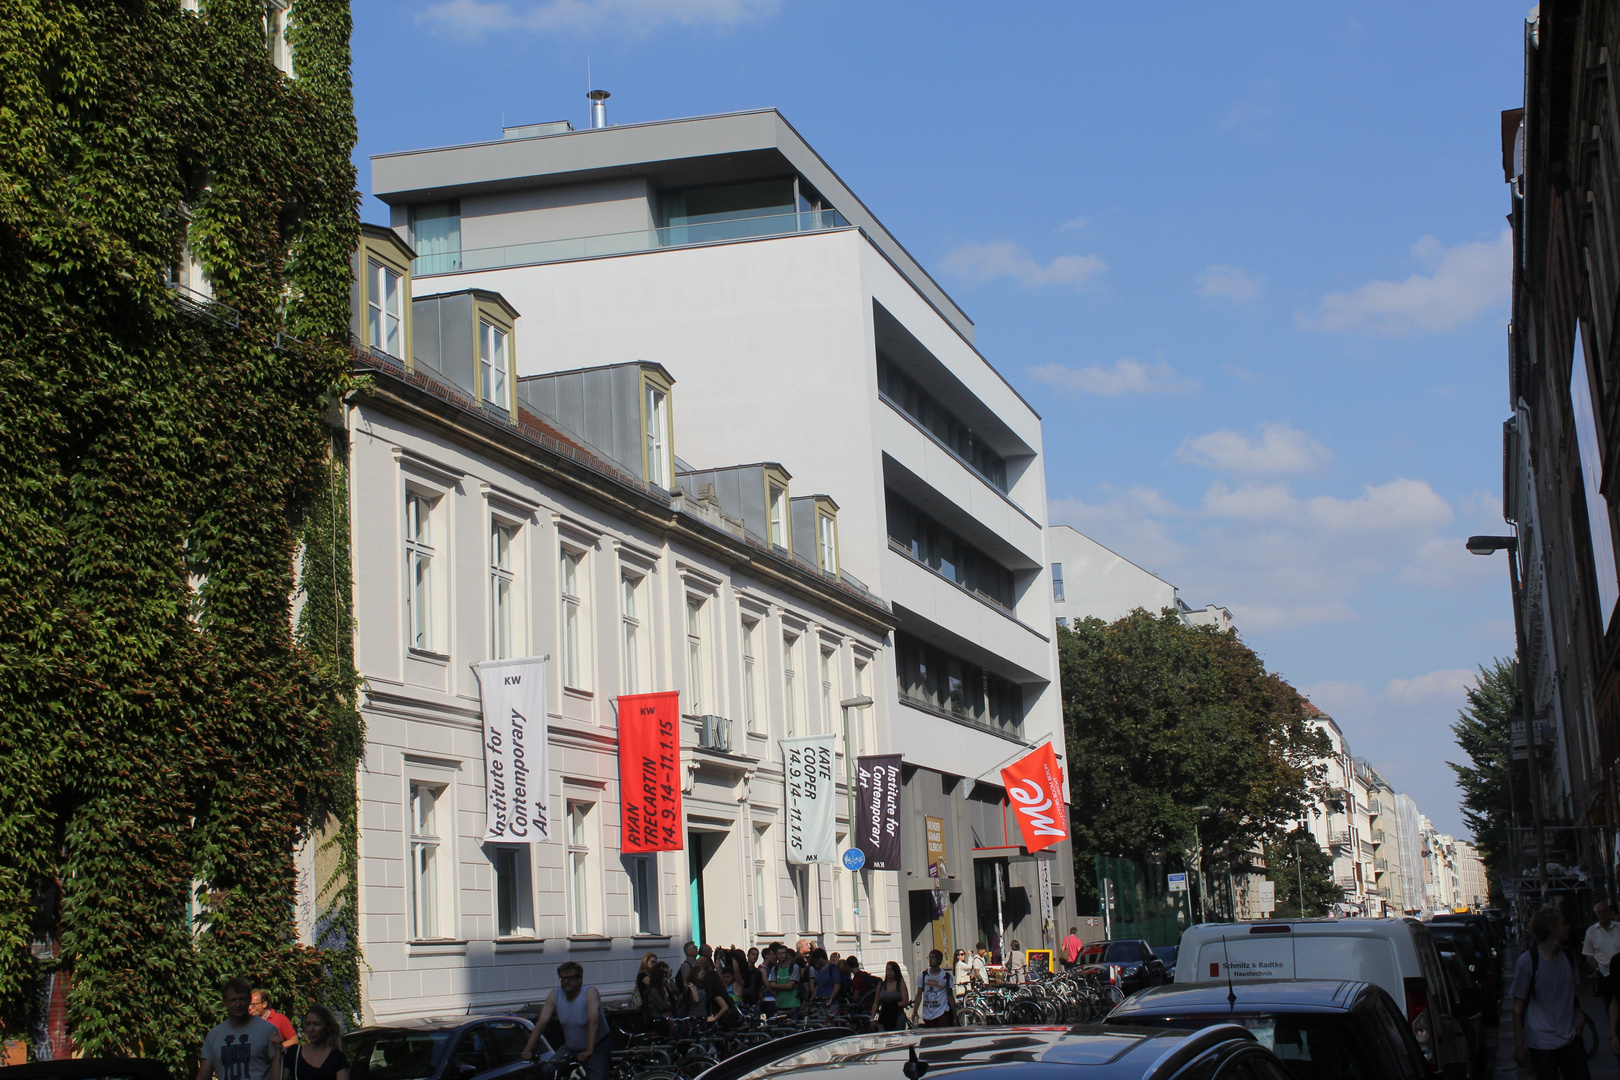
{"x":169,"y":489}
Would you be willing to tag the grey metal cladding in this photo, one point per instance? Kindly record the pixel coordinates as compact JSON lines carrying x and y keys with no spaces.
{"x":425,"y":334}
{"x":456,"y":342}
{"x":600,"y":406}
{"x":803,"y":513}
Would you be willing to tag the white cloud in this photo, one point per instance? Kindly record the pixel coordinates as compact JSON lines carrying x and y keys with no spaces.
{"x":1280,"y":448}
{"x":1128,"y":525}
{"x":1468,"y":281}
{"x":1445,"y":685}
{"x":473,"y":20}
{"x":1248,"y":117}
{"x":1241,"y":374}
{"x":1127,"y":376}
{"x":1075,"y":223}
{"x":1231,"y":282}
{"x":979,"y":263}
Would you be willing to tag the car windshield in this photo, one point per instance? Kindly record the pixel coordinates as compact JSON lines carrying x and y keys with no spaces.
{"x":1455,"y":937}
{"x":394,"y":1054}
{"x":1314,"y":1046}
{"x":1167,"y":953}
{"x":1122,"y":952}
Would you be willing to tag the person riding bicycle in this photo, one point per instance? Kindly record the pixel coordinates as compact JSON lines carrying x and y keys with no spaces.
{"x":586,"y":1033}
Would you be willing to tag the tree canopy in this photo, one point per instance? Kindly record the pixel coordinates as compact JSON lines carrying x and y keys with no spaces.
{"x":1295,"y":860}
{"x":1162,"y":718}
{"x":1482,"y":731}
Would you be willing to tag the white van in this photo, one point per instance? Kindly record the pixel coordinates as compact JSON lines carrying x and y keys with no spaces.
{"x":1396,"y":954}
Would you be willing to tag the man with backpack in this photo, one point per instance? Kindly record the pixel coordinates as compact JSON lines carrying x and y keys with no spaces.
{"x":784,"y":981}
{"x":1547,"y":1018}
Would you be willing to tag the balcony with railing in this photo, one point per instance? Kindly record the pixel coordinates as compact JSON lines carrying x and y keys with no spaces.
{"x":1380,"y":865}
{"x":1377,"y":836}
{"x":1347,"y":882}
{"x":724,"y":231}
{"x":1340,"y":838}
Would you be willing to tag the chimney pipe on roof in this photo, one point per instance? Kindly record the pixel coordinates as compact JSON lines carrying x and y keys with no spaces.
{"x":598,"y":107}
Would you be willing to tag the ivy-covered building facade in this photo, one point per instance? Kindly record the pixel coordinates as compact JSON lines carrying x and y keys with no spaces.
{"x":177,"y":214}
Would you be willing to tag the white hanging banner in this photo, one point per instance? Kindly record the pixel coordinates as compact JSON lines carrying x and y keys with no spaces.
{"x":812,"y":799}
{"x":515,"y":733}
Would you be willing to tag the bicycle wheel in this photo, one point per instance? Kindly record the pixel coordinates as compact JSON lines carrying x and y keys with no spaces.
{"x":694,"y":1064}
{"x":659,"y":1074}
{"x":1026,"y":1012}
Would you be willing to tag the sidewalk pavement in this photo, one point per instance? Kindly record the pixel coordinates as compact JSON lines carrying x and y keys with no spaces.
{"x":1499,"y":1040}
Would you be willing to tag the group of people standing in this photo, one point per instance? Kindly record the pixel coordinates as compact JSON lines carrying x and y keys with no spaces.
{"x":254,"y":1042}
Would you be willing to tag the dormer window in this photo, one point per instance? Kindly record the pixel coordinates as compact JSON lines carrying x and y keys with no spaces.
{"x":827,"y":542}
{"x":387,"y":308}
{"x":493,"y":363}
{"x":779,"y":510}
{"x":655,"y":418}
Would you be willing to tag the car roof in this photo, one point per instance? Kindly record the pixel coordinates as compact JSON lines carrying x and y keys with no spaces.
{"x":1129,"y":1051}
{"x":88,"y":1069}
{"x":1295,"y":995}
{"x":434,"y":1023}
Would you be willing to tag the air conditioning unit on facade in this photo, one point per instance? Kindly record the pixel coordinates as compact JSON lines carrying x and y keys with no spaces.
{"x":715,"y":733}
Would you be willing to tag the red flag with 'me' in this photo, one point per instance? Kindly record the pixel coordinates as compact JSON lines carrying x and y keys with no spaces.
{"x":1034,"y":786}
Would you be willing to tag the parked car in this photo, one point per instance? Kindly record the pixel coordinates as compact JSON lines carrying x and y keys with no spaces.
{"x":1082,"y":1052}
{"x":1467,"y":1005}
{"x":88,"y":1069}
{"x":1322,"y":1029}
{"x":1398,"y":955}
{"x":1477,"y":957}
{"x":1167,"y":953}
{"x":1478,"y":920}
{"x":451,"y":1048}
{"x":1129,"y":963}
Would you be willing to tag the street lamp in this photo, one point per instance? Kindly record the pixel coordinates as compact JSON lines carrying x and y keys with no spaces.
{"x":1487,"y":545}
{"x":1199,"y":845}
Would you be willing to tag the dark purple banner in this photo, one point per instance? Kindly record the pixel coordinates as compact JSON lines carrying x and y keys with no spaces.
{"x":877,"y":809}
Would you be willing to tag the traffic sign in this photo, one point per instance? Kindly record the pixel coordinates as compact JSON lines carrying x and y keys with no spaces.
{"x":854,"y":858}
{"x":1178,"y":882}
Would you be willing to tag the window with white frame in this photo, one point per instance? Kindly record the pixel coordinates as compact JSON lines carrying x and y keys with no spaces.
{"x":750,"y":675}
{"x":581,"y":868}
{"x":643,"y":874}
{"x":778,"y":511}
{"x":276,"y":14}
{"x":421,"y":585}
{"x":873,"y":908}
{"x":829,"y":697}
{"x":790,"y":685}
{"x":864,"y":723}
{"x":801,"y":896}
{"x":514,"y":908}
{"x":386,"y":306}
{"x":827,"y":530}
{"x":764,"y":881}
{"x":429,"y":863}
{"x":503,"y":592}
{"x":657,"y":419}
{"x":492,"y":362}
{"x":1057,"y":582}
{"x":696,"y":659}
{"x":843,"y":920}
{"x":634,"y":624}
{"x":572,"y":582}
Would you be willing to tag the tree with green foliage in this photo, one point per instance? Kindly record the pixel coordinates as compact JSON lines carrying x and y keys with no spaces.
{"x":1162,"y":717}
{"x":170,"y":494}
{"x":1483,"y":730}
{"x":1296,"y":859}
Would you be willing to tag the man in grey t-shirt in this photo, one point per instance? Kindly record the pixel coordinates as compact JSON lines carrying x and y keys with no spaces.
{"x":1547,"y":1019}
{"x":243,"y":1047}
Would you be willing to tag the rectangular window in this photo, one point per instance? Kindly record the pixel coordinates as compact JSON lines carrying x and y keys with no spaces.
{"x":657,"y":420}
{"x":778,"y":510}
{"x":873,"y":908}
{"x":695,"y":660}
{"x":502,"y":591}
{"x":864,"y":720}
{"x":425,"y":871}
{"x":925,"y":540}
{"x":750,"y":676}
{"x":829,"y":542}
{"x":573,"y":634}
{"x":1598,"y":519}
{"x":764,"y":881}
{"x":908,"y":396}
{"x":630,"y":619}
{"x":790,"y":689}
{"x":514,"y":912}
{"x":933,"y":679}
{"x":437,"y":229}
{"x":1057,"y":582}
{"x":843,"y":921}
{"x":275,"y":32}
{"x":643,"y":873}
{"x":581,"y":866}
{"x":386,"y":310}
{"x":492,"y":363}
{"x":828,"y":697}
{"x":801,"y":896}
{"x":419,"y":583}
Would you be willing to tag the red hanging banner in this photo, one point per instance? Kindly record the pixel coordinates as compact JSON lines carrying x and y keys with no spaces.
{"x":649,"y":772}
{"x":1034,"y":786}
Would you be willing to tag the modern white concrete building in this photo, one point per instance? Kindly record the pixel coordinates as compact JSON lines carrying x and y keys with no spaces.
{"x":724,"y":249}
{"x":1090,"y":581}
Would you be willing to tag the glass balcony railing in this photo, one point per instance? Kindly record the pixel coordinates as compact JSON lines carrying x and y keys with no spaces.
{"x":626,"y":243}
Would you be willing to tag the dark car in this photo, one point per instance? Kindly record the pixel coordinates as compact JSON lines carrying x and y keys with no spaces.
{"x":1477,"y":920}
{"x":454,"y":1048}
{"x":1082,"y":1052}
{"x":1468,"y":1006}
{"x":89,"y":1069}
{"x":1128,"y":963}
{"x":1474,"y":952}
{"x":1167,"y":953}
{"x":1322,"y":1029}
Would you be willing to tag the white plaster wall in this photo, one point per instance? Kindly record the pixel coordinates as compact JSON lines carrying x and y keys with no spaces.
{"x":1099,"y":583}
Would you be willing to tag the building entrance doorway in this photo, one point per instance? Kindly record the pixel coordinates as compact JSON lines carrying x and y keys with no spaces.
{"x":714,"y":887}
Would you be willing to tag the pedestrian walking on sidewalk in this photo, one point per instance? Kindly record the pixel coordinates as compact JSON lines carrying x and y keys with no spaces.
{"x":243,"y":1046}
{"x":935,"y":1005}
{"x":320,"y":1056}
{"x":1600,"y":946}
{"x":1547,"y":1018}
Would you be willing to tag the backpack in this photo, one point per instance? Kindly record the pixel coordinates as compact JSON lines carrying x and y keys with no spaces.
{"x":1535,"y":966}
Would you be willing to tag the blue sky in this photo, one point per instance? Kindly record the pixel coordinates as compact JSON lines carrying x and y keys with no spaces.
{"x":1248,"y":263}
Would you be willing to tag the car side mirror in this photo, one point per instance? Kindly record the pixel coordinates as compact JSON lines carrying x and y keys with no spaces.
{"x":465,"y":1069}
